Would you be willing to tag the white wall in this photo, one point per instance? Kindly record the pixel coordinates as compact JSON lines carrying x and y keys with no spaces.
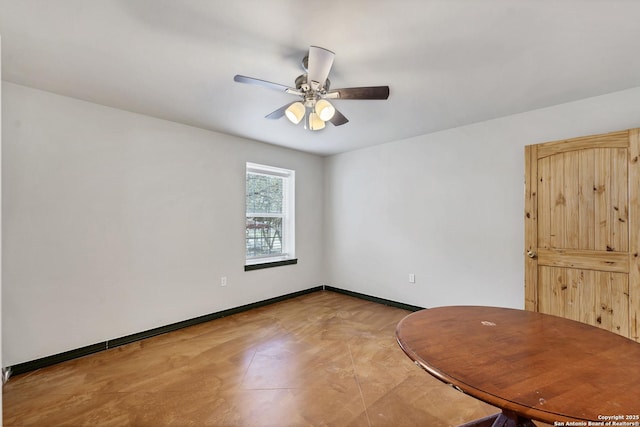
{"x":115,"y":223}
{"x":448,"y":206}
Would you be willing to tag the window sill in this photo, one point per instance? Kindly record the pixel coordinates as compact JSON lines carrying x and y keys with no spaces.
{"x":269,"y":264}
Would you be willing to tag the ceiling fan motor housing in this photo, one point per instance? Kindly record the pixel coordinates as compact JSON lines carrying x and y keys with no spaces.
{"x":304,"y":86}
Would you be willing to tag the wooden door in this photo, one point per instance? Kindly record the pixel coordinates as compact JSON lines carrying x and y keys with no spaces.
{"x":582,"y":230}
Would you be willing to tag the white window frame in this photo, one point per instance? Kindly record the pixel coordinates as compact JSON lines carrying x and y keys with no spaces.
{"x":288,"y":214}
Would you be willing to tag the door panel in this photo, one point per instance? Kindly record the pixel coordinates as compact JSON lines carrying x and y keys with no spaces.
{"x":599,"y":298}
{"x":581,"y":230}
{"x":583,"y":200}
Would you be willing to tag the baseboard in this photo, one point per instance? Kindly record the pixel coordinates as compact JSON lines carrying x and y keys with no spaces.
{"x":378,"y":300}
{"x":32,"y":365}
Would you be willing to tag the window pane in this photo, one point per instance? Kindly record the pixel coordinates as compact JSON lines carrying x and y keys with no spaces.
{"x":264,"y":194}
{"x":264,"y":236}
{"x":270,"y":214}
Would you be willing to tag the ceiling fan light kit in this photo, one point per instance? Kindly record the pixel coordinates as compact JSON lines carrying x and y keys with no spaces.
{"x":295,"y":112}
{"x":325,"y":110}
{"x":315,"y":122}
{"x":313,"y":88}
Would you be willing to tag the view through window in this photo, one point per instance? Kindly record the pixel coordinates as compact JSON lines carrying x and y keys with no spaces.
{"x":269,"y":234}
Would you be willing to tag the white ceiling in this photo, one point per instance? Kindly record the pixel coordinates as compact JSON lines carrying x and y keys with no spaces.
{"x":448,"y":63}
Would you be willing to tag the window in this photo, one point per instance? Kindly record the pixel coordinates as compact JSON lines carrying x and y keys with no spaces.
{"x":270,"y":222}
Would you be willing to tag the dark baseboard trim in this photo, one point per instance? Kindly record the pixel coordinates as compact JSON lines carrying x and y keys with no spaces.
{"x":383,"y":301}
{"x":32,"y":365}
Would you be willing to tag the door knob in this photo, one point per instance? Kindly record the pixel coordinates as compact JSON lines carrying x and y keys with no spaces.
{"x":531,"y":254}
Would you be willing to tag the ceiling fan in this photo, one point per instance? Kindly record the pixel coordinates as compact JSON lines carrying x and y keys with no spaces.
{"x":313,"y":88}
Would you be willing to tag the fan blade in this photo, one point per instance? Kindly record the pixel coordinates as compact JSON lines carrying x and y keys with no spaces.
{"x":370,"y":92}
{"x":320,"y":62}
{"x":338,"y":119}
{"x":279,"y":112}
{"x":252,"y":81}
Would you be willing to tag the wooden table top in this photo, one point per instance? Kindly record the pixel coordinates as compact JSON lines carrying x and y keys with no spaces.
{"x":542,"y":367}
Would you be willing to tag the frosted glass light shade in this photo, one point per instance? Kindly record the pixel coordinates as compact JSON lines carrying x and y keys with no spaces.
{"x":295,"y":112}
{"x":325,"y":110}
{"x":315,"y":122}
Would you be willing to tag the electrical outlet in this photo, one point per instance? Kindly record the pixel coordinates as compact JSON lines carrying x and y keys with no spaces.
{"x":223,"y":281}
{"x":412,"y":278}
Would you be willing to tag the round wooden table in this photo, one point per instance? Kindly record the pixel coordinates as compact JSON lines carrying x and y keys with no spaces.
{"x":531,"y":365}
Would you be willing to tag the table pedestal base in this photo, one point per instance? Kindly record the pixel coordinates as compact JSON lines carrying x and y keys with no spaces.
{"x":503,"y":419}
